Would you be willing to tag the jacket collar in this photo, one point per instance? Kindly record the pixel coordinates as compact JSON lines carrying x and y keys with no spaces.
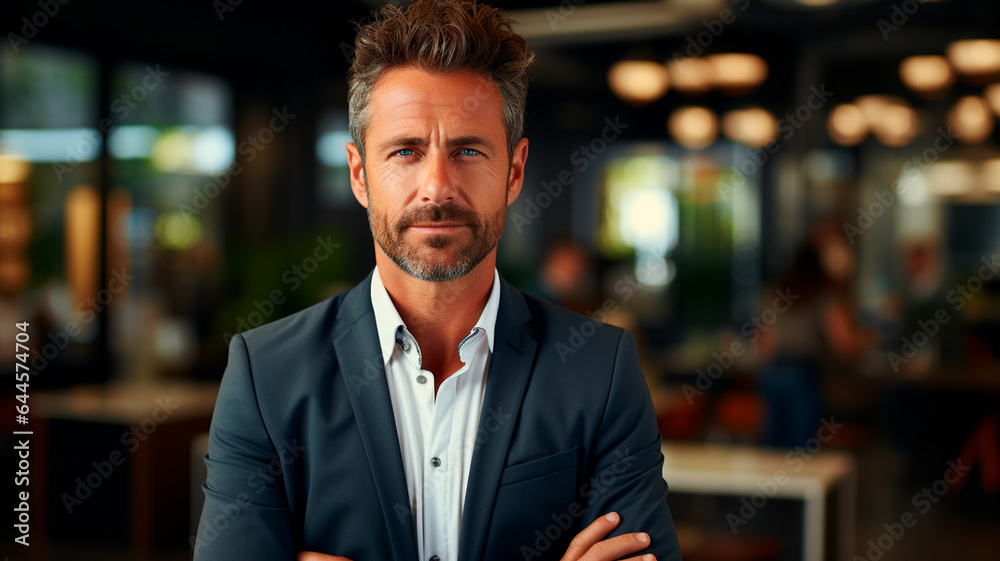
{"x":356,"y":342}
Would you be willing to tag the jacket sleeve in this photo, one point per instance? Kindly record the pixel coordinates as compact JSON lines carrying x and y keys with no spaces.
{"x":246,"y":514}
{"x":627,"y":473}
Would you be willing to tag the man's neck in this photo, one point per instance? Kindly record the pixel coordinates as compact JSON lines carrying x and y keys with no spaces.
{"x":438,"y":313}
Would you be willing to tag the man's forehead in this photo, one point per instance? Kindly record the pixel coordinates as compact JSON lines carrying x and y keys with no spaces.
{"x":413,"y":91}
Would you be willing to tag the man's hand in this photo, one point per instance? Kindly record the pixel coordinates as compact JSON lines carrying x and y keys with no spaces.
{"x":587,"y":545}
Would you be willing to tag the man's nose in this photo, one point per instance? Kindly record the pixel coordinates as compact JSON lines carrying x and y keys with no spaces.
{"x":438,"y":181}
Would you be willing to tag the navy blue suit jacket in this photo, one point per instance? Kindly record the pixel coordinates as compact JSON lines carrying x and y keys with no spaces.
{"x":304,"y":453}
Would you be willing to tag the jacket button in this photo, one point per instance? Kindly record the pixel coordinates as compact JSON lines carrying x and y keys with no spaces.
{"x":435,"y":558}
{"x":436,"y":462}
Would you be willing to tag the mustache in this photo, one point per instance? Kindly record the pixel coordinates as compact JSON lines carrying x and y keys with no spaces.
{"x":448,"y":212}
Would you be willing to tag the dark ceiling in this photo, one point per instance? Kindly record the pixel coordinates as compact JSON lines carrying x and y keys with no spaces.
{"x":304,"y":43}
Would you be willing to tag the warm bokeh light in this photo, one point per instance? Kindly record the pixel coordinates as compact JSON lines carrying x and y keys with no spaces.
{"x":992,"y":94}
{"x":847,"y":125}
{"x":638,"y":81}
{"x":990,"y":173}
{"x":13,"y":169}
{"x":951,"y":178}
{"x":754,"y":126}
{"x":15,"y":227}
{"x":971,"y":119}
{"x":975,"y":57}
{"x":896,"y":125}
{"x":738,"y":72}
{"x":82,"y":238}
{"x":694,"y":127}
{"x":872,"y":105}
{"x":691,"y":75}
{"x":890,"y":118}
{"x":928,"y":75}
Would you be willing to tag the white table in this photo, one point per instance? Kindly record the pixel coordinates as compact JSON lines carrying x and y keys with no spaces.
{"x":715,"y":469}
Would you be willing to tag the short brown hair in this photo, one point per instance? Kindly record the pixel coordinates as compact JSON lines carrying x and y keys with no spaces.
{"x":441,"y":36}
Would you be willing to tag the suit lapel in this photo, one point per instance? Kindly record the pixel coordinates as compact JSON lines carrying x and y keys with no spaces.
{"x":364,"y":375}
{"x":510,"y":368}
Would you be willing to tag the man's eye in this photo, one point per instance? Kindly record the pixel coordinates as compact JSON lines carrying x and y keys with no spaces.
{"x":470,"y":152}
{"x":404,"y":152}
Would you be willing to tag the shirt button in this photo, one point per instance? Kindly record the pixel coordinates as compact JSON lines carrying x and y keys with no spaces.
{"x":435,"y":558}
{"x":406,"y":346}
{"x":421,"y":379}
{"x":436,"y":462}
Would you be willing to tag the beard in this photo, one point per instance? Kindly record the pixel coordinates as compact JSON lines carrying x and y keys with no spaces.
{"x":437,"y":257}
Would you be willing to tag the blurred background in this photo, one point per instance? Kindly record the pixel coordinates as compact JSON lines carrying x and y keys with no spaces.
{"x":793,"y":204}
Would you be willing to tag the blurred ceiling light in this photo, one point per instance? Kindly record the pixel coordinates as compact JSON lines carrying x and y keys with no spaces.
{"x":13,"y":169}
{"x":816,"y":3}
{"x":872,"y":105}
{"x":690,"y":75}
{"x":971,"y":118}
{"x":951,"y":178}
{"x":992,"y":94}
{"x":737,"y":73}
{"x":693,"y":127}
{"x":975,"y":57}
{"x":638,"y":81}
{"x":754,"y":127}
{"x":847,"y":125}
{"x":896,"y":125}
{"x":928,"y":75}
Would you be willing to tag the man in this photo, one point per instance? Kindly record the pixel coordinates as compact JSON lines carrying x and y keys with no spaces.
{"x":428,"y":413}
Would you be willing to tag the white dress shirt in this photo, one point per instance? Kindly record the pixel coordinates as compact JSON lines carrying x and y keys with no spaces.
{"x":436,"y":436}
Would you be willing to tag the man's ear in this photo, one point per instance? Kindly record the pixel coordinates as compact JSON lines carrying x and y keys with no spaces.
{"x":357,"y":167}
{"x":515,"y":179}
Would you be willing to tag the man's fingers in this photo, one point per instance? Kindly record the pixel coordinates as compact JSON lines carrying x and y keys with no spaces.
{"x":617,"y":547}
{"x":590,"y":535}
{"x":313,"y":556}
{"x":647,"y":557}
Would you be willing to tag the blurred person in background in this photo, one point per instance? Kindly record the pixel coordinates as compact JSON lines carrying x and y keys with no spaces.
{"x":565,"y":277}
{"x":819,"y":323}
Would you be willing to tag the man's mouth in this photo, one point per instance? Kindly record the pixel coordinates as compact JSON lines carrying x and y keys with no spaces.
{"x":437,"y":227}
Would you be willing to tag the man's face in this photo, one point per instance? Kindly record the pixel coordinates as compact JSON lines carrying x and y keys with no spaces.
{"x":436,"y":179}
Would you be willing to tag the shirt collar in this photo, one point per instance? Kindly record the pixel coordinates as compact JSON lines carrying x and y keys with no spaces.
{"x":388,"y":320}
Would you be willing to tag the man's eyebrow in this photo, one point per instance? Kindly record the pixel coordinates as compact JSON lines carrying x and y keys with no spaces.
{"x":402,"y":141}
{"x":470,"y":140}
{"x":467,"y":140}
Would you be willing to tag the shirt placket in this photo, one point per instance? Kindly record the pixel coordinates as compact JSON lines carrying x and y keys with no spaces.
{"x":438,"y":473}
{"x":442,"y":469}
